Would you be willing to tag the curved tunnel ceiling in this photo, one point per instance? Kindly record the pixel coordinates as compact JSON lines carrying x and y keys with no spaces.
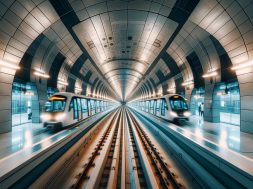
{"x":121,"y":35}
{"x":130,"y":47}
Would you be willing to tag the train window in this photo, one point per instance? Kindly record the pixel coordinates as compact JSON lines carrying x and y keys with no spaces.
{"x":92,"y":103}
{"x":84,"y":105}
{"x":98,"y":106}
{"x":102,"y":105}
{"x":75,"y":107}
{"x":178,"y":103}
{"x":155,"y":105}
{"x":56,"y":104}
{"x":147,"y":106}
{"x":89,"y":108}
{"x":79,"y":105}
{"x":152,"y":106}
{"x":158,"y":103}
{"x":163,"y":106}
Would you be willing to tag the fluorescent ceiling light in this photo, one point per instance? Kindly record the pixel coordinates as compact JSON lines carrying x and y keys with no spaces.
{"x":187,"y":83}
{"x":78,"y":89}
{"x":159,"y":94}
{"x":211,"y":74}
{"x":41,"y":74}
{"x":171,"y":89}
{"x":7,"y":64}
{"x":63,"y":82}
{"x":242,"y":65}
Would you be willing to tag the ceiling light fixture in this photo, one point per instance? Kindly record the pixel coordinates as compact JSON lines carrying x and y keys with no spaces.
{"x":211,"y":74}
{"x":62,"y":82}
{"x":171,"y":90}
{"x":187,"y":83}
{"x":78,"y":89}
{"x":8,"y":64}
{"x":242,"y":65}
{"x":41,"y":74}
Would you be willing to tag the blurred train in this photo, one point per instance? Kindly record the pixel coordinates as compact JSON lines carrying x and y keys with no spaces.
{"x":169,"y":107}
{"x":66,"y":109}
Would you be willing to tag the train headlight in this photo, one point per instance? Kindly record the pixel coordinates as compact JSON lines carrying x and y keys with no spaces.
{"x":45,"y":117}
{"x":187,"y":114}
{"x":173,"y":114}
{"x":60,"y":117}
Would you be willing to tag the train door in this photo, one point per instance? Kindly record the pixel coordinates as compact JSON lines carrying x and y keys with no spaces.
{"x":147,"y":106}
{"x":89,"y":108}
{"x":158,"y":106}
{"x":163,"y":107}
{"x":155,"y":102}
{"x":152,"y":106}
{"x":75,"y":108}
{"x":84,"y":108}
{"x":79,"y":105}
{"x":101,"y":105}
{"x":93,"y":107}
{"x":98,"y":106}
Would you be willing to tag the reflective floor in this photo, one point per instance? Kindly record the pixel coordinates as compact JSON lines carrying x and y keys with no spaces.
{"x":22,"y":136}
{"x":27,"y":140}
{"x":30,"y":138}
{"x":19,"y":119}
{"x":225,"y":135}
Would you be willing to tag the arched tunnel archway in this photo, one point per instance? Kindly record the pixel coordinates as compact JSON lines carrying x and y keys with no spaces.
{"x":126,"y":94}
{"x":131,"y":51}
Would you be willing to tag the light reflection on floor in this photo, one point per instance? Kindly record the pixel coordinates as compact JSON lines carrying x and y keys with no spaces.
{"x":22,"y":136}
{"x":225,"y":135}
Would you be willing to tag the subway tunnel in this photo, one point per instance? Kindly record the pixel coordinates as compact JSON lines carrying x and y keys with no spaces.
{"x":129,"y":65}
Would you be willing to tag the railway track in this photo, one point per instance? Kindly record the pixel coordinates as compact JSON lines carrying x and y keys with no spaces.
{"x":164,"y":175}
{"x":101,"y":168}
{"x":137,"y":174}
{"x":118,"y":154}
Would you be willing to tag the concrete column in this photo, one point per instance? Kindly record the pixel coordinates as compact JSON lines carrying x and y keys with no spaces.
{"x":39,"y":100}
{"x":246,"y":92}
{"x":165,"y":88}
{"x":188,"y":93}
{"x":210,"y":113}
{"x":5,"y":101}
{"x":192,"y":105}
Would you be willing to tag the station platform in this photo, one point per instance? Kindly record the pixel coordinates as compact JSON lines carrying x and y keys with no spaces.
{"x":22,"y":136}
{"x":224,"y":135}
{"x":27,"y":135}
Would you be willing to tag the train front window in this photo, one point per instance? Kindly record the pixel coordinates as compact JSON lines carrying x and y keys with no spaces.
{"x":178,"y":103}
{"x":56,"y":104}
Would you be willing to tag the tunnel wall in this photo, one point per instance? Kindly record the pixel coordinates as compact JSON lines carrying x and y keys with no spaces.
{"x":230,"y":22}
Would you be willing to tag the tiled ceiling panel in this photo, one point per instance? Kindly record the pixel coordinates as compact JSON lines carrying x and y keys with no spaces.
{"x":123,"y":37}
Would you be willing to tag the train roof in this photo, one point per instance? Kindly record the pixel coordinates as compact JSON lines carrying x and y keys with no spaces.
{"x":68,"y":94}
